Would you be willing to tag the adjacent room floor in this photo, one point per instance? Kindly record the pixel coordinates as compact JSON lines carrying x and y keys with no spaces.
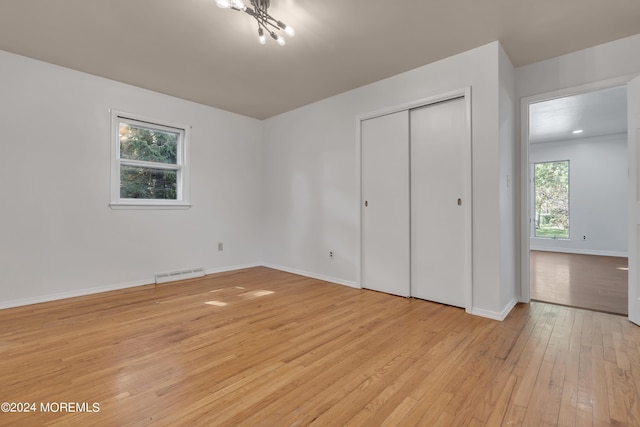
{"x":585,"y":281}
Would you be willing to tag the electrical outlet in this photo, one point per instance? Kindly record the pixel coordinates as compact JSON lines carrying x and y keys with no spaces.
{"x":220,"y":247}
{"x":584,"y":237}
{"x":330,"y":254}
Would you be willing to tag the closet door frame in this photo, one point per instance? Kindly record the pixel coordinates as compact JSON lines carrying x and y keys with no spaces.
{"x":468,"y":190}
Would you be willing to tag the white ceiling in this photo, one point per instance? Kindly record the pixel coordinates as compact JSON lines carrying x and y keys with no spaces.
{"x":193,"y":50}
{"x":602,"y":112}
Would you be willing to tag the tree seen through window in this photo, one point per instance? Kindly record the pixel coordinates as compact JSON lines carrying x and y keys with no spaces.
{"x":552,"y":199}
{"x":141,"y":179}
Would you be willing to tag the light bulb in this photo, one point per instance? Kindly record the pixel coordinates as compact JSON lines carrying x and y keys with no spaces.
{"x":287,"y":29}
{"x":281,"y":41}
{"x":223,"y":4}
{"x":261,"y":38}
{"x":239,"y":4}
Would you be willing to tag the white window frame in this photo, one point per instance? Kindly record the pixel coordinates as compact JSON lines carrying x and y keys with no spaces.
{"x":181,"y":167}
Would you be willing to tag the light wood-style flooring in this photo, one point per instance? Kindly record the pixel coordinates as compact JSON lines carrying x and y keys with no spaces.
{"x":259,"y":347}
{"x":584,"y":281}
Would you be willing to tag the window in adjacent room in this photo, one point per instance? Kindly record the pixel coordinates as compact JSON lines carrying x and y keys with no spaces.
{"x":551,"y":199}
{"x":149,"y":163}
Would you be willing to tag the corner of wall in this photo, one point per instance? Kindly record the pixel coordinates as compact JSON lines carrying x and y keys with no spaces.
{"x":509,"y":224}
{"x":496,"y":315}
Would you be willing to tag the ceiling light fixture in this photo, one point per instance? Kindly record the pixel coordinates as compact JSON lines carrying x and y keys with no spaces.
{"x":265,"y":21}
{"x":577,"y":131}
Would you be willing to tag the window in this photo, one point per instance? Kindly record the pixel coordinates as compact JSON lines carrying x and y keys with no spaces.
{"x":149,"y":163}
{"x":551,"y":214}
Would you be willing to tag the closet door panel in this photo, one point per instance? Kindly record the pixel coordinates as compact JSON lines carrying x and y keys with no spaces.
{"x":438,"y":226}
{"x":385,"y":203}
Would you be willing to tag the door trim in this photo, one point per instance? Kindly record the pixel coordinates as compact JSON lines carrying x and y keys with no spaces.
{"x":525,"y":189}
{"x":633,"y":136}
{"x":464,"y":92}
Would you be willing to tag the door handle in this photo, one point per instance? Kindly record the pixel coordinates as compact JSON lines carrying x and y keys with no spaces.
{"x":366,"y":203}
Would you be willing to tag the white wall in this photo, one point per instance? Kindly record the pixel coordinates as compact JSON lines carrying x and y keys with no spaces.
{"x":312,"y":175}
{"x":597,"y":194}
{"x":509,"y":248}
{"x":58,"y":236}
{"x":606,"y":61}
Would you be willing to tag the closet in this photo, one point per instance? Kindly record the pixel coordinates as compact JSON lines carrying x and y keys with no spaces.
{"x":416,"y":204}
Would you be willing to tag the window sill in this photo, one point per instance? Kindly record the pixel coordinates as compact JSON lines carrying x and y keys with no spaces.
{"x":148,"y":206}
{"x":545,"y":238}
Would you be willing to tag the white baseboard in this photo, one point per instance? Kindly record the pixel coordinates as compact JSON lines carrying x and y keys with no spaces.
{"x":580,"y":251}
{"x":313,"y":275}
{"x":500,"y":316}
{"x":232,"y":268}
{"x":75,"y":293}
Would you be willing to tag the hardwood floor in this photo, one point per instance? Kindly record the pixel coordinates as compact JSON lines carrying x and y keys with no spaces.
{"x":585,"y":281}
{"x":259,"y":347}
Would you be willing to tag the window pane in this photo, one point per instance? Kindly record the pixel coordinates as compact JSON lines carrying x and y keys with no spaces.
{"x":147,"y":183}
{"x":152,"y":145}
{"x":552,"y":200}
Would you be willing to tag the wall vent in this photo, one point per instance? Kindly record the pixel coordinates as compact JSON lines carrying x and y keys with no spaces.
{"x":179,"y":275}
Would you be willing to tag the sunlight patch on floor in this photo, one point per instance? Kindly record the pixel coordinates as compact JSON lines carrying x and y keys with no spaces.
{"x":216,"y":303}
{"x":255,"y":294}
{"x":227,"y":296}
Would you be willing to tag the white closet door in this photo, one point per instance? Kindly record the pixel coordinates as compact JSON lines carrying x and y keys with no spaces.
{"x":385,"y":198}
{"x":438,"y":221}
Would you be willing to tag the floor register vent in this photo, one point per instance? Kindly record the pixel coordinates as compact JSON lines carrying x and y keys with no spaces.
{"x":179,"y":275}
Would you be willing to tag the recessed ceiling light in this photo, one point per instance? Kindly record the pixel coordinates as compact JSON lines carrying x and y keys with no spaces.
{"x":577,"y":131}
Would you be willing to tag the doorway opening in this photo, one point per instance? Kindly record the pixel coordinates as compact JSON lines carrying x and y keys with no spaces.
{"x":577,"y":200}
